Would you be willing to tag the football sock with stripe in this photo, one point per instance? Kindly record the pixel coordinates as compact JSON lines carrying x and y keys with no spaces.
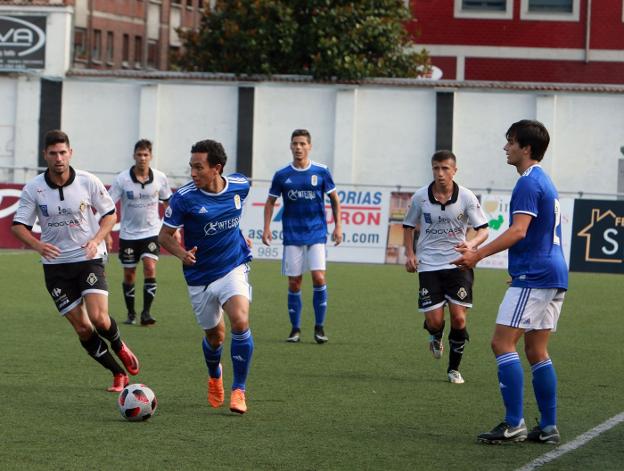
{"x":96,"y":348}
{"x":319,"y":301}
{"x":112,"y":335}
{"x":545,"y":388}
{"x":457,"y":341}
{"x":212,"y":356}
{"x":128,"y":291}
{"x":241,"y":349}
{"x":294,"y":308}
{"x":511,"y":383}
{"x":149,"y":293}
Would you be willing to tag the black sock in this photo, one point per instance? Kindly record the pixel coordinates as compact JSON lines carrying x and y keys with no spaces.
{"x":149,"y":293}
{"x":112,"y":335}
{"x":457,"y":340}
{"x":96,"y":348}
{"x":128,"y":291}
{"x":436,"y":333}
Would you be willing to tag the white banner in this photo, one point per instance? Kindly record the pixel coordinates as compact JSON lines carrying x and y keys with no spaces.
{"x":496,"y":208}
{"x":364,"y":225}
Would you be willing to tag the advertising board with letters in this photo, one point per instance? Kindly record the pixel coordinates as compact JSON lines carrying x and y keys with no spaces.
{"x":598,"y":236}
{"x":22,"y":42}
{"x":364,"y":225}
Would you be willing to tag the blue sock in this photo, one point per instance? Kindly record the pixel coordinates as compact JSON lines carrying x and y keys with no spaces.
{"x":294,"y":308}
{"x":319,"y":300}
{"x":213,"y":358}
{"x":242,"y":350}
{"x":545,"y":388}
{"x":511,"y":382}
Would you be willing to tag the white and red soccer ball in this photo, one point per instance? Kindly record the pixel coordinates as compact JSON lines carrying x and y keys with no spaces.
{"x":137,"y":402}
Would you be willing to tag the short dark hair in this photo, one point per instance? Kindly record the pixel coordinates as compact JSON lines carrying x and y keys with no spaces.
{"x":214,"y":149}
{"x":143,"y":144}
{"x":301,"y":132}
{"x":442,"y":155}
{"x":532,"y":133}
{"x":55,"y":136}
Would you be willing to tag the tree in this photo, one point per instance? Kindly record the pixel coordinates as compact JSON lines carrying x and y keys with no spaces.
{"x":327,"y":39}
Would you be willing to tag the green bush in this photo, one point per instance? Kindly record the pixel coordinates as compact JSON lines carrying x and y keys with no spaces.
{"x":328,"y":40}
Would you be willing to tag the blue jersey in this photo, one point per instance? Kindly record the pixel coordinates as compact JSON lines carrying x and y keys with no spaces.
{"x":537,"y":261}
{"x":211,"y":223}
{"x":303,"y":192}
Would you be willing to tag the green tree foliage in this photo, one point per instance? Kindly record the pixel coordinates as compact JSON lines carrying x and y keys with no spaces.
{"x":327,"y":39}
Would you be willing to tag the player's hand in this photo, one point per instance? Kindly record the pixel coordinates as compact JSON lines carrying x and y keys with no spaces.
{"x":337,"y":236}
{"x":411,"y":264}
{"x":267,"y":237}
{"x":469,"y":258}
{"x":249,"y":242}
{"x":189,"y":257}
{"x":90,"y":249}
{"x":49,"y":251}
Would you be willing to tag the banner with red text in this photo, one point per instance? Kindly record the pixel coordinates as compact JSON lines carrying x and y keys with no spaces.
{"x":364,"y":225}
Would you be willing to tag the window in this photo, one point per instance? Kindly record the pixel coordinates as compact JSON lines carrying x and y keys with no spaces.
{"x":138,"y":52}
{"x":484,"y":5}
{"x":152,"y":54}
{"x":550,"y":10}
{"x":551,"y":6}
{"x":125,"y":50}
{"x":80,"y":44}
{"x":96,"y":47}
{"x":486,"y":9}
{"x":110,"y":47}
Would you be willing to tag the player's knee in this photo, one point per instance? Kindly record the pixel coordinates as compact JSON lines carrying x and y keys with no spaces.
{"x":84,"y":331}
{"x":433,"y":325}
{"x":318,"y":278}
{"x":294,"y":284}
{"x":534,"y":354}
{"x":215,"y":337}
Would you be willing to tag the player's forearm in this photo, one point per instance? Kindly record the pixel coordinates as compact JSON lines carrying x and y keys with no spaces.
{"x":106,"y":226}
{"x":171,"y":245}
{"x":25,"y":236}
{"x":268,"y":215}
{"x":480,"y":237}
{"x":504,"y":241}
{"x":408,"y":241}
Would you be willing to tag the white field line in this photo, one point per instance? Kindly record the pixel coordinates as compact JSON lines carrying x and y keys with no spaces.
{"x":574,"y":444}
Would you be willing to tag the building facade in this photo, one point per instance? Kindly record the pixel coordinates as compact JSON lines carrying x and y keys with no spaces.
{"x":119,"y":34}
{"x":564,"y":41}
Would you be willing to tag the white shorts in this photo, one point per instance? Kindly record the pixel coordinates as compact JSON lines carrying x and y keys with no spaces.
{"x":299,"y":258}
{"x":531,"y":308}
{"x":208,"y":300}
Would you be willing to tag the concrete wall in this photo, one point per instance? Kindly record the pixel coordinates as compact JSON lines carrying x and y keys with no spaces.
{"x":369,"y":134}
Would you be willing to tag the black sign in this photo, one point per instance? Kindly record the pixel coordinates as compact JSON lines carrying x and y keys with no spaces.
{"x":598,"y":236}
{"x":22,"y":42}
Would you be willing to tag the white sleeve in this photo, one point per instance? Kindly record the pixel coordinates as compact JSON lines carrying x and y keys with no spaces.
{"x":100,"y":198}
{"x":412,"y":217}
{"x":165,"y":190}
{"x":27,"y":209}
{"x":115,"y":191}
{"x":476,"y":216}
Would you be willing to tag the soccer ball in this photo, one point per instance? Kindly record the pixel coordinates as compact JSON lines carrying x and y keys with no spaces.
{"x":137,"y":402}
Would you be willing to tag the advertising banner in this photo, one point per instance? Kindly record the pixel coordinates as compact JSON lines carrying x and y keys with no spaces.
{"x":364,"y":225}
{"x":598,"y":236}
{"x":22,"y":42}
{"x":496,"y":209}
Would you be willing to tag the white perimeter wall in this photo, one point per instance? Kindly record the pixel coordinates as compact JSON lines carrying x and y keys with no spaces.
{"x":368,"y":135}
